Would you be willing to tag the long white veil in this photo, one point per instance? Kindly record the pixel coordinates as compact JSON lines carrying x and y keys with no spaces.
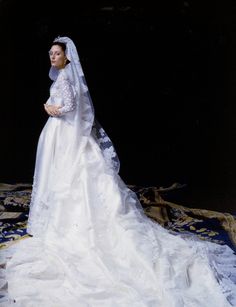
{"x":84,"y":119}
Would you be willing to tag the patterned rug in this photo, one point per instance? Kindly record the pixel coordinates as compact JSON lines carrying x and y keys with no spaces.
{"x":208,"y":225}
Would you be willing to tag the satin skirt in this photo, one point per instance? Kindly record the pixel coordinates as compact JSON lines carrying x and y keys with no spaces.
{"x":93,"y":246}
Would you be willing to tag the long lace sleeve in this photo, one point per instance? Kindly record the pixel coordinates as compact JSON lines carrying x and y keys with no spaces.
{"x":67,"y":95}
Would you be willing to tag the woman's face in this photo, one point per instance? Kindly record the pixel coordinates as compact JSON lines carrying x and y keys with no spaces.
{"x":57,"y":57}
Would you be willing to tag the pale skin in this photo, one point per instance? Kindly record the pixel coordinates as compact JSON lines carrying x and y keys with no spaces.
{"x":58,"y":60}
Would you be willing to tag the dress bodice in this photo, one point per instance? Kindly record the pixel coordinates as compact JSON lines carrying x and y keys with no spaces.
{"x":62,"y":93}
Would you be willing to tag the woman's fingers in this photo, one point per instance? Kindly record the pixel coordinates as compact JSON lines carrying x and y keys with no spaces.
{"x":52,"y":110}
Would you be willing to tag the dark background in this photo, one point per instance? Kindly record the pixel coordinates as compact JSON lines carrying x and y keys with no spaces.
{"x":163,"y":82}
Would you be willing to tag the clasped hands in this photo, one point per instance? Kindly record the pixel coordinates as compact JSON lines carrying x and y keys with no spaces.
{"x":52,"y":110}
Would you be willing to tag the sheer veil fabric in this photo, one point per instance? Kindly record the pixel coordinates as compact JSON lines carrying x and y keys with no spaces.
{"x":91,"y":244}
{"x":83,"y":119}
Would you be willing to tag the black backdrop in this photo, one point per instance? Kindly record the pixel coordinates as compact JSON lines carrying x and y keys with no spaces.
{"x":162,"y":82}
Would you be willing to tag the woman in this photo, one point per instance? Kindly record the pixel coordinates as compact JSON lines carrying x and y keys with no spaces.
{"x":92,"y":245}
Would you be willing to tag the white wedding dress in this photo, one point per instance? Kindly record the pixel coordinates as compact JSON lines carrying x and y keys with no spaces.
{"x":93,"y":246}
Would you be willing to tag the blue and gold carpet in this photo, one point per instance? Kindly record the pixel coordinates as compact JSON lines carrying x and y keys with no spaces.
{"x":208,"y":225}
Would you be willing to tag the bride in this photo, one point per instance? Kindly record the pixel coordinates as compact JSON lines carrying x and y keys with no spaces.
{"x":90,"y":244}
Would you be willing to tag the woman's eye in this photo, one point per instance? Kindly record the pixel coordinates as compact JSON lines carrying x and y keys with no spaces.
{"x":51,"y":53}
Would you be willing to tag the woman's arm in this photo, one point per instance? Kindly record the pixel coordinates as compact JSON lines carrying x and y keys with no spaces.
{"x":67,"y":95}
{"x":67,"y":92}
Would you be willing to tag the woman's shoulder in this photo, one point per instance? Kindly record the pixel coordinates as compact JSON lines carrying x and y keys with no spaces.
{"x":62,"y":75}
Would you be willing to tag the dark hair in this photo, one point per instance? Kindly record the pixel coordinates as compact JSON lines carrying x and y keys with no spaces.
{"x":63,"y":47}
